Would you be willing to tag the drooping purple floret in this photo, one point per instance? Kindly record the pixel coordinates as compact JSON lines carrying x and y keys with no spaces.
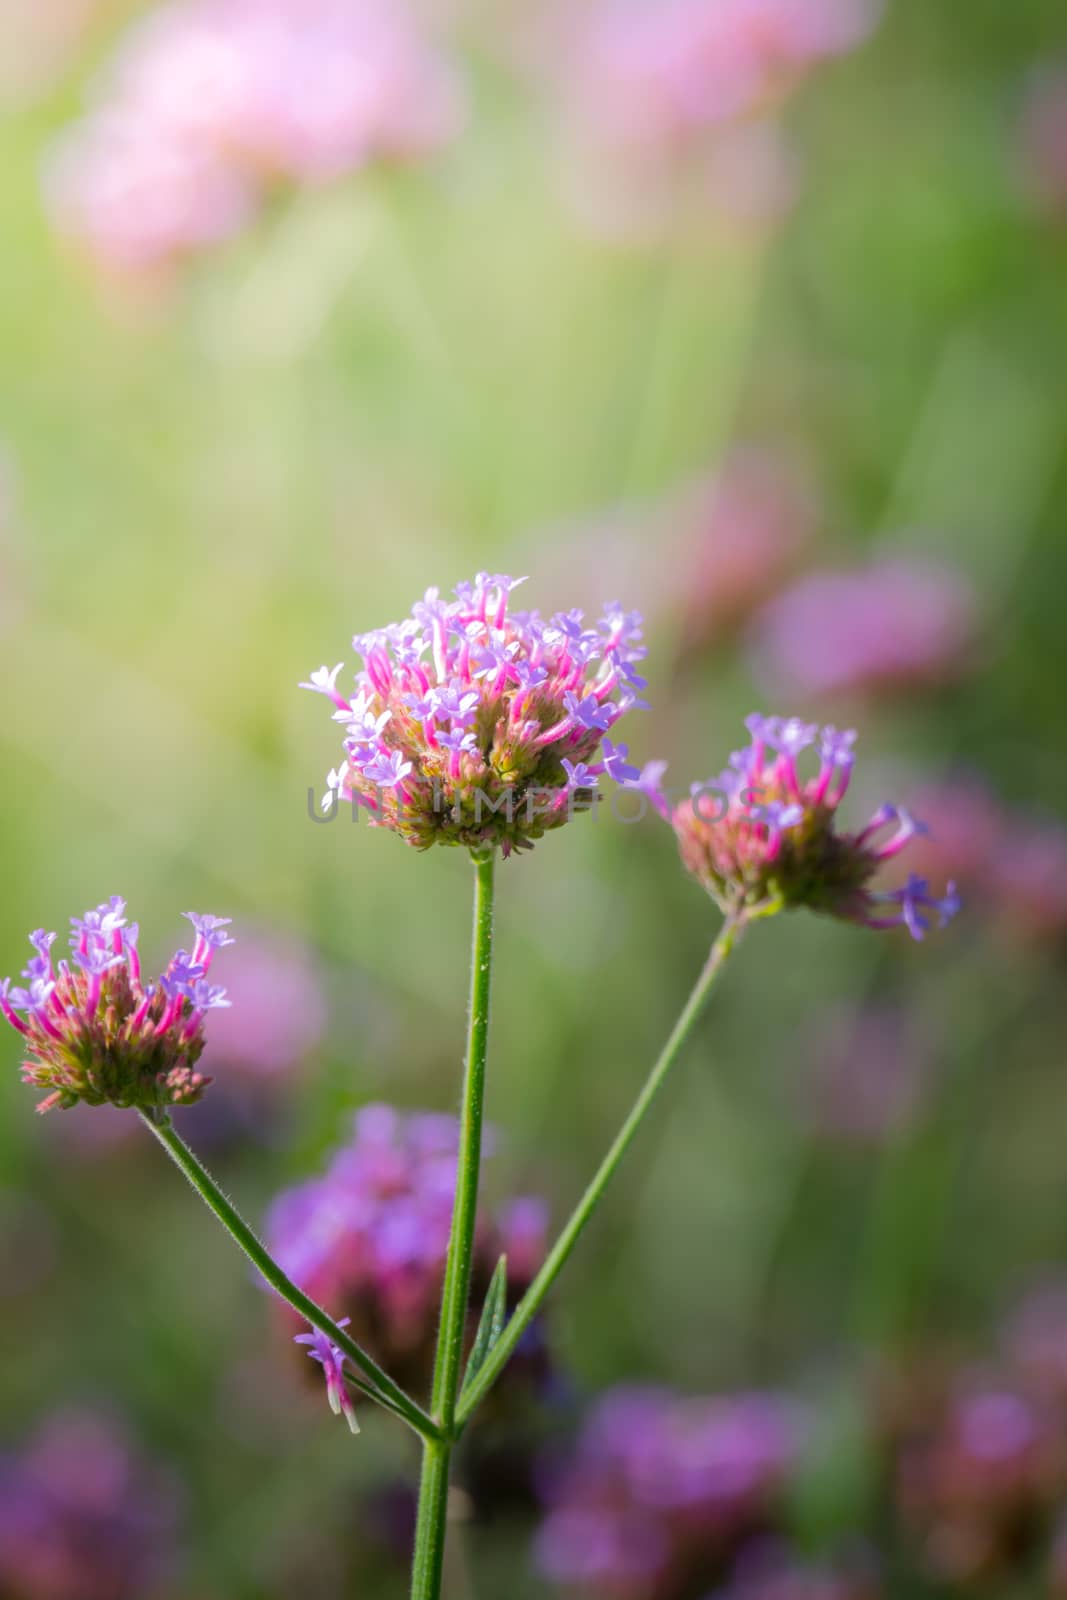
{"x":331,"y":1359}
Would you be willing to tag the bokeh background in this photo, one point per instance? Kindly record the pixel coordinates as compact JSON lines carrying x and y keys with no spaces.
{"x":760,"y":326}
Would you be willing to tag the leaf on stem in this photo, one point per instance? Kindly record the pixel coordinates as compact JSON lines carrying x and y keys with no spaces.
{"x":491,"y":1325}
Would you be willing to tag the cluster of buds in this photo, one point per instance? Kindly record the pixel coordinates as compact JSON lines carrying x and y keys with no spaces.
{"x":94,"y":1031}
{"x":370,"y":1237}
{"x":477,"y":726}
{"x":760,"y":836}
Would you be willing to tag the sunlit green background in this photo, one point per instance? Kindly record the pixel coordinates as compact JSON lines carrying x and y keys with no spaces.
{"x":388,"y":385}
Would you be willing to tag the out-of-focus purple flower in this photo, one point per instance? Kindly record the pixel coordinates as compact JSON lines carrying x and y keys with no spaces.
{"x":1043,"y":139}
{"x":82,"y":1517}
{"x":762,"y":835}
{"x":210,"y":101}
{"x":976,"y":1478}
{"x":660,"y":1485}
{"x":657,"y":91}
{"x":94,"y":1032}
{"x":481,"y":726}
{"x":891,"y":627}
{"x":1027,"y":877}
{"x":742,"y":529}
{"x":370,"y":1236}
{"x":871,"y":1069}
{"x":1014,"y":861}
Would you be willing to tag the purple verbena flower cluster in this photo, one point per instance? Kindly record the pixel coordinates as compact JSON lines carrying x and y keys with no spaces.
{"x":661,"y":1486}
{"x":479,"y":726}
{"x":370,"y":1236}
{"x":761,"y":834}
{"x":95,"y":1031}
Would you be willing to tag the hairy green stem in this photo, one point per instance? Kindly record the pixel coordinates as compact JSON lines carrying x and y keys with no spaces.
{"x":431,"y":1527}
{"x":530,"y":1303}
{"x":380,"y":1387}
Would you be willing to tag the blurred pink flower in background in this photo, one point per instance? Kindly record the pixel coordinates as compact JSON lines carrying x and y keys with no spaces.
{"x":894,"y":626}
{"x":1035,"y":1339}
{"x":872,"y":1067}
{"x":209,"y":101}
{"x":1043,"y":142}
{"x":83,"y":1517}
{"x":277,"y":1018}
{"x":709,"y":552}
{"x":654,"y":87}
{"x":1015,"y":862}
{"x":976,"y":1476}
{"x":741,"y":530}
{"x":1029,"y":878}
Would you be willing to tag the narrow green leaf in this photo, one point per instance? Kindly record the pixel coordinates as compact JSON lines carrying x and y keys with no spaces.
{"x":491,"y":1325}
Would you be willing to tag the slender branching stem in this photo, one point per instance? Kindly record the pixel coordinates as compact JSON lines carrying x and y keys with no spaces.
{"x":379,"y":1385}
{"x":531,"y":1301}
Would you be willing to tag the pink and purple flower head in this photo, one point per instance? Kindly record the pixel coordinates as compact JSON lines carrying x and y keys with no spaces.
{"x":474,"y":724}
{"x":370,"y":1235}
{"x":761,"y":835}
{"x":95,"y":1031}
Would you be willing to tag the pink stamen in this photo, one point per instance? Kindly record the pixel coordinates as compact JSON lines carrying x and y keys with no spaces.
{"x":550,"y":735}
{"x":14,"y":1018}
{"x":169,"y":1016}
{"x":379,"y":672}
{"x":133,"y":961}
{"x":137,"y":1020}
{"x":92,"y":998}
{"x":45,"y":1023}
{"x":440,"y":652}
{"x":881,"y":819}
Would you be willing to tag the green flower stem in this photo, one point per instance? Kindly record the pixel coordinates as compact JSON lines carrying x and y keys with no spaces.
{"x":381,"y":1387}
{"x":530,"y":1304}
{"x":431,"y":1527}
